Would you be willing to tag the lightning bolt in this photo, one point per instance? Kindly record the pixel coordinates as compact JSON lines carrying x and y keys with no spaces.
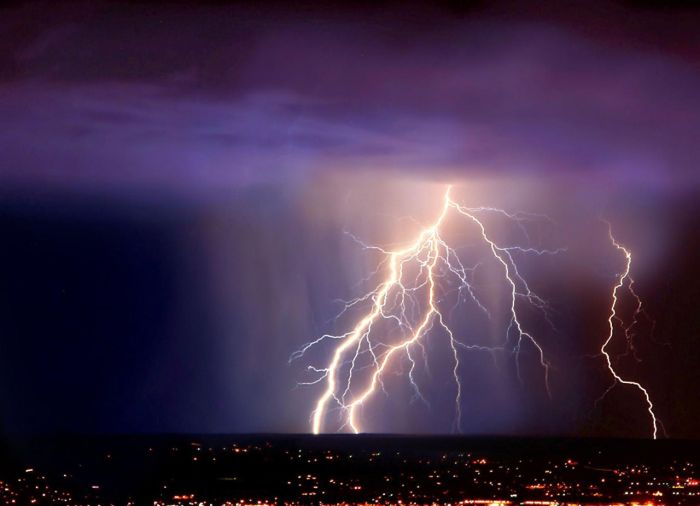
{"x":625,"y":278}
{"x":395,"y":299}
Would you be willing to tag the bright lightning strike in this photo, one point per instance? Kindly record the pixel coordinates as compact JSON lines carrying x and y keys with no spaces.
{"x":414,"y":272}
{"x":625,"y":278}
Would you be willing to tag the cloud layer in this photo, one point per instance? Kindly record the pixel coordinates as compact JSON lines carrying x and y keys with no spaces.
{"x":202,"y":98}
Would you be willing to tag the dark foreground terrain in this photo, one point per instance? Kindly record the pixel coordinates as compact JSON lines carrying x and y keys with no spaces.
{"x":346,"y":469}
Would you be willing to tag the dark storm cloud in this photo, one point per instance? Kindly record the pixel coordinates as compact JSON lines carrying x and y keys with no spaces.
{"x":182,"y":317}
{"x":204,"y":97}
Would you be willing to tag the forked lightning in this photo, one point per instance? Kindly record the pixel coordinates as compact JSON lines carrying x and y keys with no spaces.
{"x":395,"y":298}
{"x":409,"y":297}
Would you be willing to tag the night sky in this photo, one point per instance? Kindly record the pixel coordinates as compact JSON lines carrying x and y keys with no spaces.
{"x":177,"y":182}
